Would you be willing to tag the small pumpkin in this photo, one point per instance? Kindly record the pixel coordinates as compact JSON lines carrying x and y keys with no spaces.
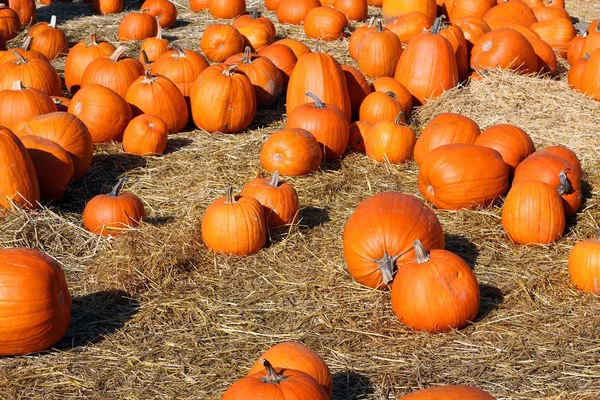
{"x":233,"y":225}
{"x":154,"y":47}
{"x":358,"y":88}
{"x":26,"y":9}
{"x":325,"y":23}
{"x":136,"y":26}
{"x":394,"y":8}
{"x":292,"y":152}
{"x":409,"y":25}
{"x":33,"y":72}
{"x":402,"y":95}
{"x":48,"y":39}
{"x":512,"y":142}
{"x":584,"y":265}
{"x":354,"y":10}
{"x":294,"y":11}
{"x":114,"y":213}
{"x":380,"y":106}
{"x":435,"y":292}
{"x":258,"y":30}
{"x":220,"y":41}
{"x":504,"y":48}
{"x":163,"y":10}
{"x":10,"y":25}
{"x":357,"y":35}
{"x":145,"y":135}
{"x":379,"y":52}
{"x":356,"y":139}
{"x":283,"y":57}
{"x":105,"y":7}
{"x":390,"y":141}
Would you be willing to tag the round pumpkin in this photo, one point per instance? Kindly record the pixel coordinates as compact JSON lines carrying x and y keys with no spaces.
{"x":220,"y":41}
{"x":20,"y":104}
{"x":33,"y":72}
{"x":258,"y":30}
{"x":358,"y":88}
{"x":226,"y":9}
{"x":584,"y":265}
{"x":163,"y":10}
{"x":292,"y":152}
{"x":145,"y":135}
{"x":379,"y":52}
{"x":409,"y":25}
{"x":325,"y":23}
{"x":48,"y":39}
{"x":137,"y":26}
{"x":390,"y":141}
{"x":358,"y":132}
{"x":504,"y":48}
{"x":80,"y":56}
{"x":512,"y":142}
{"x":294,"y":11}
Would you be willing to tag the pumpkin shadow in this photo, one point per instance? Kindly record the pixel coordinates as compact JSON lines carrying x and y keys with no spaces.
{"x":331,"y":165}
{"x":159,"y":220}
{"x":96,"y":315}
{"x":270,"y":115}
{"x":65,"y":11}
{"x":463,"y":247}
{"x":490,"y":298}
{"x":586,"y":196}
{"x":177,"y":143}
{"x":311,"y":217}
{"x":350,"y":385}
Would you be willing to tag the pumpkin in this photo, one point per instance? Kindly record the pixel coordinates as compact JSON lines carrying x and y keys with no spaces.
{"x":145,"y":135}
{"x":285,"y":384}
{"x":220,"y":41}
{"x":36,"y":303}
{"x":48,"y":39}
{"x":457,"y":40}
{"x":33,"y":72}
{"x":515,"y":12}
{"x":468,"y":8}
{"x":259,"y":31}
{"x":68,"y":132}
{"x":26,"y":9}
{"x":80,"y":56}
{"x":562,"y":152}
{"x":358,"y":132}
{"x":450,"y":392}
{"x":292,"y":152}
{"x":279,"y":200}
{"x":427,"y":66}
{"x":325,"y":23}
{"x":223,"y":99}
{"x":272,"y":4}
{"x":18,"y":179}
{"x":198,"y":5}
{"x":409,"y":25}
{"x":394,"y":8}
{"x":61,"y":103}
{"x":318,"y":73}
{"x":20,"y":104}
{"x":584,"y":265}
{"x":495,"y":24}
{"x":265,"y":77}
{"x":390,"y":141}
{"x":401,"y":93}
{"x":283,"y":57}
{"x":294,"y":355}
{"x":574,"y":74}
{"x":114,"y":72}
{"x":473,"y":28}
{"x":54,"y":167}
{"x":380,"y":106}
{"x":512,"y":142}
{"x":378,"y":53}
{"x":154,"y":47}
{"x":533,"y":213}
{"x":557,"y":172}
{"x":358,"y":88}
{"x":546,"y":56}
{"x":182,"y":67}
{"x":297,"y":47}
{"x":13,"y":54}
{"x":163,"y":10}
{"x":112,"y":214}
{"x":357,"y":35}
{"x":380,"y":233}
{"x":354,"y":10}
{"x":10,"y":25}
{"x":557,"y":32}
{"x":158,"y":96}
{"x":446,"y":128}
{"x":136,"y":26}
{"x":592,"y":40}
{"x":435,"y":292}
{"x":589,"y":82}
{"x":543,"y":13}
{"x":233,"y":225}
{"x":456,"y":176}
{"x":294,"y":11}
{"x":504,"y":48}
{"x":103,"y":111}
{"x":574,"y":49}
{"x":105,"y":7}
{"x":226,"y":9}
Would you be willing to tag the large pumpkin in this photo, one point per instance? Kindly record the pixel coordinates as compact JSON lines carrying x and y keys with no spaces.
{"x":380,"y":233}
{"x":18,"y":180}
{"x":584,"y":265}
{"x":36,"y":303}
{"x":451,"y":392}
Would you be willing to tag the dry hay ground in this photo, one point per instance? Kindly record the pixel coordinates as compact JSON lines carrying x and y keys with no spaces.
{"x":157,"y":315}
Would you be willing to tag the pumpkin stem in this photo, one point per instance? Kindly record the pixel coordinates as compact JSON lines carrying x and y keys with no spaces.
{"x":317,"y":45}
{"x":272,"y":375}
{"x":159,"y":29}
{"x":229,"y":197}
{"x":391,"y":94}
{"x":318,"y":102}
{"x":119,"y":51}
{"x":178,"y":51}
{"x":17,"y":85}
{"x":386,"y":265}
{"x":565,"y":186}
{"x":148,"y":77}
{"x":398,"y":119}
{"x":254,"y":13}
{"x":371,"y":22}
{"x":275,"y":180}
{"x":437,"y":25}
{"x":145,"y":57}
{"x":229,"y":70}
{"x":19,"y":56}
{"x":379,"y":26}
{"x":52,"y":23}
{"x":421,"y":255}
{"x":92,"y":41}
{"x":27,"y":43}
{"x":117,"y":188}
{"x":247,"y":55}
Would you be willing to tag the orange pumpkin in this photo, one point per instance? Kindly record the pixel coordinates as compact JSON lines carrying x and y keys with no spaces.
{"x":20,"y":104}
{"x":294,"y":11}
{"x":358,"y":132}
{"x":390,"y":141}
{"x":473,"y":28}
{"x":378,"y":53}
{"x":80,"y":56}
{"x":512,"y":142}
{"x":48,"y":39}
{"x":357,"y":35}
{"x":10,"y":25}
{"x":105,"y":7}
{"x":163,"y":10}
{"x":558,"y":33}
{"x":26,"y":9}
{"x":226,"y":9}
{"x":358,"y":88}
{"x":297,"y":47}
{"x":354,"y":10}
{"x":258,"y":30}
{"x":33,"y":72}
{"x":220,"y":41}
{"x":515,"y":12}
{"x":136,"y":26}
{"x":504,"y":48}
{"x":409,"y":25}
{"x":36,"y":303}
{"x":401,"y":93}
{"x":325,"y":23}
{"x":468,"y":8}
{"x":546,"y":56}
{"x":589,"y":82}
{"x":145,"y":135}
{"x":292,"y":152}
{"x":380,"y":106}
{"x":283,"y":57}
{"x":584,"y":265}
{"x":18,"y":179}
{"x":394,"y":8}
{"x":154,"y":47}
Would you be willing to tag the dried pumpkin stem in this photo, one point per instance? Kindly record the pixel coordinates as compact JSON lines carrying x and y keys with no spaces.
{"x":119,"y":51}
{"x":19,"y":56}
{"x":92,"y":41}
{"x":391,"y":94}
{"x":148,"y":77}
{"x":421,"y":255}
{"x":379,"y":26}
{"x":254,"y":13}
{"x":229,"y":70}
{"x":318,"y":102}
{"x":229,"y":197}
{"x":178,"y":51}
{"x":145,"y":57}
{"x":386,"y":265}
{"x":52,"y":23}
{"x":159,"y":28}
{"x":437,"y":25}
{"x":371,"y":22}
{"x":398,"y":119}
{"x":247,"y":55}
{"x":272,"y":375}
{"x":27,"y":43}
{"x":117,"y":188}
{"x":17,"y":85}
{"x":275,"y":180}
{"x":564,"y":187}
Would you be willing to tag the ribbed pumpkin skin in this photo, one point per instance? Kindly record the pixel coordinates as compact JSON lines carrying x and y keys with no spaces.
{"x":358,"y":88}
{"x":20,"y":105}
{"x":378,"y":53}
{"x":33,"y":72}
{"x":137,"y":26}
{"x":48,"y":39}
{"x":403,"y":96}
{"x":226,"y":9}
{"x":220,"y":41}
{"x":157,"y":95}
{"x":446,"y":128}
{"x":80,"y":56}
{"x":292,"y":152}
{"x":53,"y":166}
{"x":145,"y":135}
{"x":458,"y":176}
{"x":325,"y":23}
{"x":103,"y":111}
{"x":320,"y":74}
{"x":258,"y":30}
{"x":558,"y":33}
{"x":379,"y":106}
{"x":533,"y":213}
{"x":386,"y":224}
{"x":452,"y":392}
{"x":283,"y":57}
{"x":562,"y":152}
{"x":18,"y":180}
{"x":454,"y":284}
{"x":67,"y":131}
{"x":468,"y":8}
{"x":504,"y":48}
{"x":584,"y":265}
{"x":590,"y":79}
{"x":182,"y":67}
{"x":36,"y":303}
{"x":113,"y":72}
{"x":390,"y":141}
{"x":279,"y":200}
{"x":293,"y":355}
{"x":294,"y":11}
{"x":222,"y":100}
{"x":10,"y":25}
{"x":163,"y":9}
{"x":515,"y":12}
{"x":512,"y":142}
{"x":26,"y":10}
{"x":236,"y":227}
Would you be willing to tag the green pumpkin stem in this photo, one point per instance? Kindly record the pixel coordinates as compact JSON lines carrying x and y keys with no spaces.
{"x":437,"y":25}
{"x":386,"y":265}
{"x":117,"y":188}
{"x":247,"y":55}
{"x":272,"y":376}
{"x":318,"y":102}
{"x":564,"y":187}
{"x":421,"y":255}
{"x":398,"y":119}
{"x":275,"y":179}
{"x":229,"y":197}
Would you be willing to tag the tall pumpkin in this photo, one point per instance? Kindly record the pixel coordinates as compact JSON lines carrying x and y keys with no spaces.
{"x":320,"y":74}
{"x":380,"y":233}
{"x":48,"y":39}
{"x":36,"y":303}
{"x":18,"y":180}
